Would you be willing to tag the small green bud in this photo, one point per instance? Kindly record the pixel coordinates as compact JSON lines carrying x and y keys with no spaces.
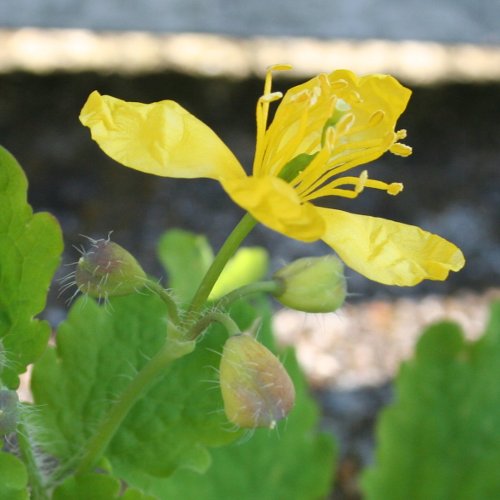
{"x":108,"y":270}
{"x":256,"y":389}
{"x":8,"y":411}
{"x":312,"y":284}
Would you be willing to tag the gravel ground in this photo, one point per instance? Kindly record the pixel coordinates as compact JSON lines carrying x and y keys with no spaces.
{"x":363,"y":344}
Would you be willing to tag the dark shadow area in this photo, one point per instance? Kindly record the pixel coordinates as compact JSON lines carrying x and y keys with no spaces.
{"x":351,"y":415}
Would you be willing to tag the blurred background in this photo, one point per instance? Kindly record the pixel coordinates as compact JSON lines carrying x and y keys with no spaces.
{"x":210,"y":56}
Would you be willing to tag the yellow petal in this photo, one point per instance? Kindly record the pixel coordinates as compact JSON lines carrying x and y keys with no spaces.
{"x":389,"y":252}
{"x":276,"y":204}
{"x":160,"y":138}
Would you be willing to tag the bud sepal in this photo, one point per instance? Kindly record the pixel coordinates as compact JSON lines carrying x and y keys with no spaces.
{"x":108,"y":270}
{"x":256,"y":389}
{"x":312,"y":284}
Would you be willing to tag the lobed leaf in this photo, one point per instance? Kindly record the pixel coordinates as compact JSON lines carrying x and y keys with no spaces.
{"x":248,"y":265}
{"x":440,"y":439}
{"x":96,"y":487}
{"x":100,"y":349}
{"x":98,"y":352}
{"x":30,"y":249}
{"x":186,"y":257}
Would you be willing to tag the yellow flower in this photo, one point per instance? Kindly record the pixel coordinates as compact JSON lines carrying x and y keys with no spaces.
{"x":322,"y":130}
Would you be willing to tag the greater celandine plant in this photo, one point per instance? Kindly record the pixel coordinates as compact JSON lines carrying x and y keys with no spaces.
{"x":323,"y":131}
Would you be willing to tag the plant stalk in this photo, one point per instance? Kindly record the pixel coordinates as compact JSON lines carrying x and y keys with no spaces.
{"x":213,"y":317}
{"x":95,"y":447}
{"x":37,"y":489}
{"x":173,"y":312}
{"x":227,"y":250}
{"x":272,"y":286}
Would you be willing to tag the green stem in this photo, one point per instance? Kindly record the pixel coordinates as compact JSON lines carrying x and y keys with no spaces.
{"x":171,"y":351}
{"x":204,"y":322}
{"x":273,"y":287}
{"x":227,"y":250}
{"x":173,"y":312}
{"x":95,"y":447}
{"x":38,"y":491}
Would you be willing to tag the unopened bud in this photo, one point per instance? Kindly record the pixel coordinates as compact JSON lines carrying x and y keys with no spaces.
{"x":256,"y":389}
{"x":8,"y":411}
{"x":312,"y":284}
{"x":107,"y":270}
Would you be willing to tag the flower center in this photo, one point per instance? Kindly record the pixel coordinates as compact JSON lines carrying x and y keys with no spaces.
{"x":345,"y":144}
{"x":319,"y":133}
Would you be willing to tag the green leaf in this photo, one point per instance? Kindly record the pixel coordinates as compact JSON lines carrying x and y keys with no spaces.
{"x":30,"y":249}
{"x":248,"y":265}
{"x":134,"y":494}
{"x":96,"y":487}
{"x":98,"y":352}
{"x":440,"y":439}
{"x":189,"y":416}
{"x":186,"y":257}
{"x":292,"y":462}
{"x":13,"y":478}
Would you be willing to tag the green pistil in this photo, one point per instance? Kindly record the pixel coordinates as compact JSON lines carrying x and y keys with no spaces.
{"x":295,"y":166}
{"x":341,"y":108}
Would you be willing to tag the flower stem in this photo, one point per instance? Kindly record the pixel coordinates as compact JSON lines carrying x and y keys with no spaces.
{"x":271,"y":286}
{"x":227,"y":250}
{"x":95,"y":447}
{"x":171,"y":351}
{"x":213,"y":317}
{"x":166,"y":297}
{"x":38,"y":491}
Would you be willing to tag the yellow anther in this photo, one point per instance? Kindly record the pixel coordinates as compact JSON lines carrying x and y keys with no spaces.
{"x":401,"y":134}
{"x":354,"y":96}
{"x":330,"y":138}
{"x":394,"y":188}
{"x":315,"y":93}
{"x":376,"y":118}
{"x":273,"y":96}
{"x":301,"y":96}
{"x":339,"y":84}
{"x":324,"y":82}
{"x":361,"y":182}
{"x":400,"y":149}
{"x":345,"y":123}
{"x":279,"y":67}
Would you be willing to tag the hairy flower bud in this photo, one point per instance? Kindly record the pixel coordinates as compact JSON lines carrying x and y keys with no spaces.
{"x":256,"y":389}
{"x":8,"y":411}
{"x":107,"y":270}
{"x":312,"y":284}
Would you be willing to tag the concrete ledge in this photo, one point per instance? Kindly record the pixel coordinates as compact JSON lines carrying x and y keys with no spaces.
{"x":44,"y":51}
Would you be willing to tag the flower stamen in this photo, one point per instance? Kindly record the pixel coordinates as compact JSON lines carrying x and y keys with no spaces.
{"x":262,"y":113}
{"x":334,"y":188}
